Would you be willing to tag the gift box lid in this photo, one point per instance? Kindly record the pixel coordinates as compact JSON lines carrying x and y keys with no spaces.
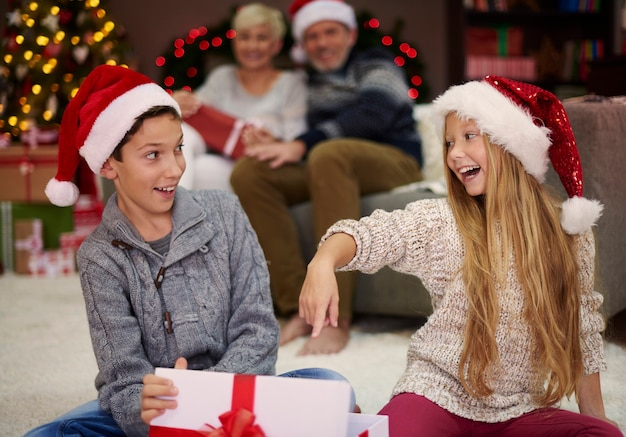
{"x":368,"y":425}
{"x":283,"y":406}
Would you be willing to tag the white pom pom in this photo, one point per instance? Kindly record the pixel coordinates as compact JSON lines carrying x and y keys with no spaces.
{"x":61,"y":193}
{"x":579,"y":214}
{"x":298,"y":55}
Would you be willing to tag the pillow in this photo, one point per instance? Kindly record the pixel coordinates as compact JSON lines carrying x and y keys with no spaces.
{"x":432,"y":149}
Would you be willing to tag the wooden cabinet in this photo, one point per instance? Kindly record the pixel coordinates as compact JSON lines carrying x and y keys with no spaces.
{"x":547,"y":42}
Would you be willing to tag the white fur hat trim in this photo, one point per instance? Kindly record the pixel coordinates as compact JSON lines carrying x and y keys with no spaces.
{"x":61,"y":193}
{"x":117,"y":119}
{"x":321,"y":10}
{"x":506,"y":123}
{"x":578,"y":214}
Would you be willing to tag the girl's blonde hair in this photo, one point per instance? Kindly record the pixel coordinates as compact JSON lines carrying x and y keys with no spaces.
{"x":518,"y":219}
{"x":255,"y":14}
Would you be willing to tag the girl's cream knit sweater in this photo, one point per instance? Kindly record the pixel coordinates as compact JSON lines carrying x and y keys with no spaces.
{"x":423,"y":240}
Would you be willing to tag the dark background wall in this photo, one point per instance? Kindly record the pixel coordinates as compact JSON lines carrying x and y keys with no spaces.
{"x":153,"y":24}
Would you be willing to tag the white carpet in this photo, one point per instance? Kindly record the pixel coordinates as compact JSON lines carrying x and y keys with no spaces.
{"x":48,"y":365}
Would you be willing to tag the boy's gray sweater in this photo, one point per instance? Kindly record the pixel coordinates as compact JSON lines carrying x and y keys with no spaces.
{"x":215,"y":286}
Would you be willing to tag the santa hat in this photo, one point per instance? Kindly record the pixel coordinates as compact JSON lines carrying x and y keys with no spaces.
{"x":531,"y":124}
{"x":305,"y":13}
{"x":96,"y":120}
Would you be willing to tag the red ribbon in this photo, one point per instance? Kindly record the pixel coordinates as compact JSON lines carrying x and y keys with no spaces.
{"x":238,"y":422}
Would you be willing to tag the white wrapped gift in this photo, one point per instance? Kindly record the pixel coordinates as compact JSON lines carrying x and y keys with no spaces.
{"x":282,"y":406}
{"x":368,"y":425}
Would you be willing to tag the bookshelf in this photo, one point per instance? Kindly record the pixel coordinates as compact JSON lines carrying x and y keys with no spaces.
{"x":547,"y":42}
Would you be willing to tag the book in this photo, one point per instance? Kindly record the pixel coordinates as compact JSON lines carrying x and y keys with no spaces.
{"x":494,"y":41}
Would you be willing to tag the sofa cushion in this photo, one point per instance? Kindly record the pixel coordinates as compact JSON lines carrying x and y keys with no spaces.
{"x":385,"y":292}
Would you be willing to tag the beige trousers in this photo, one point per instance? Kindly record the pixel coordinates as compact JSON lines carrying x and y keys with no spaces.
{"x":335,"y":175}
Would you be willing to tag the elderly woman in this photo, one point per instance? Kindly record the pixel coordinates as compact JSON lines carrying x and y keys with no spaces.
{"x":253,"y":88}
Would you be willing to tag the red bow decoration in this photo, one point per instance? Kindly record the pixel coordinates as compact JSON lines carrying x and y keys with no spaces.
{"x":236,"y":423}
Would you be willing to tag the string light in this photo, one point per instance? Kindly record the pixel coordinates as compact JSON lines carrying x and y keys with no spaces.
{"x":37,"y":44}
{"x":195,"y":36}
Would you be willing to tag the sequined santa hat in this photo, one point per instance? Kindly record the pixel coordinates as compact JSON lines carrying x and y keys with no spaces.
{"x":305,"y":13}
{"x":531,"y":124}
{"x":96,"y":120}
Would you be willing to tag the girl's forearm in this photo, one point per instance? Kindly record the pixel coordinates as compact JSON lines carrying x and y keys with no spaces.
{"x":338,"y":249}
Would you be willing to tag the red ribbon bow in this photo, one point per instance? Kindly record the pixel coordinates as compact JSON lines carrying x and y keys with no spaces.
{"x":238,"y":422}
{"x":235,"y":423}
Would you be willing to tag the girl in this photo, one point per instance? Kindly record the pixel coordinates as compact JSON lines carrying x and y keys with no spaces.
{"x":515,"y":325}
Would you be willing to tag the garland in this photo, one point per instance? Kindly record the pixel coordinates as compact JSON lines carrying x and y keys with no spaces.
{"x":187,"y":61}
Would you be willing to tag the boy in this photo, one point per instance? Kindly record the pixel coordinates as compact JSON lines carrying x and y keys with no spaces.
{"x":168,"y":273}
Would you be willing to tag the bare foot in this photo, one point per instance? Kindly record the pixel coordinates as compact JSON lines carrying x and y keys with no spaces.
{"x":330,"y":341}
{"x":294,"y":328}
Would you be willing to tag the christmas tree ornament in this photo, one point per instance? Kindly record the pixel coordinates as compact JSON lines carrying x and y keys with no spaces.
{"x":51,"y":22}
{"x":21,"y":71}
{"x":14,"y":18}
{"x":80,"y":53}
{"x":52,"y":50}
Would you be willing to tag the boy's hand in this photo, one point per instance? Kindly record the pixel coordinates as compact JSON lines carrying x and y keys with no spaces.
{"x":154,"y":387}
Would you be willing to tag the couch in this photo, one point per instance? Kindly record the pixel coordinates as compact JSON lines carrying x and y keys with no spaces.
{"x":387,"y":292}
{"x":600,"y":130}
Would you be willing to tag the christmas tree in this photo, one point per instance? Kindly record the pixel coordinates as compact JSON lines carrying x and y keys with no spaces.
{"x":186,"y":62}
{"x":47,"y":49}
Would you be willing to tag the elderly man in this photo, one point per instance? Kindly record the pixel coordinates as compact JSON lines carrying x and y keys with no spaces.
{"x":361,"y":140}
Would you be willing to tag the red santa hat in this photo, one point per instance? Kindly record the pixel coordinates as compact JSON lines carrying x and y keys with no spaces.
{"x":305,"y":13}
{"x":96,"y":120}
{"x":531,"y":124}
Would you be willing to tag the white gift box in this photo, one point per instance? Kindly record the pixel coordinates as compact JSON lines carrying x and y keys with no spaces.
{"x":368,"y":425}
{"x":283,"y":406}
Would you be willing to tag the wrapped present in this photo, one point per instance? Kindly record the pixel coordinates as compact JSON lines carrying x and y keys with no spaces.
{"x":29,"y":170}
{"x":368,"y":425}
{"x":55,"y":221}
{"x":221,"y":132}
{"x":52,"y":263}
{"x":40,"y":135}
{"x":72,"y":240}
{"x":28,"y":240}
{"x":6,"y":237}
{"x":5,"y":140}
{"x":87,"y":214}
{"x":213,"y":403}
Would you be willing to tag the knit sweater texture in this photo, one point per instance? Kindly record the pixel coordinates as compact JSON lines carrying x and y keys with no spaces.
{"x":367,"y":98}
{"x":281,"y":110}
{"x":424,"y":240}
{"x":215,"y":285}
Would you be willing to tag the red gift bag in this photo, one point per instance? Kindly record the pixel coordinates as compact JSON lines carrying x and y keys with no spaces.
{"x":221,"y":132}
